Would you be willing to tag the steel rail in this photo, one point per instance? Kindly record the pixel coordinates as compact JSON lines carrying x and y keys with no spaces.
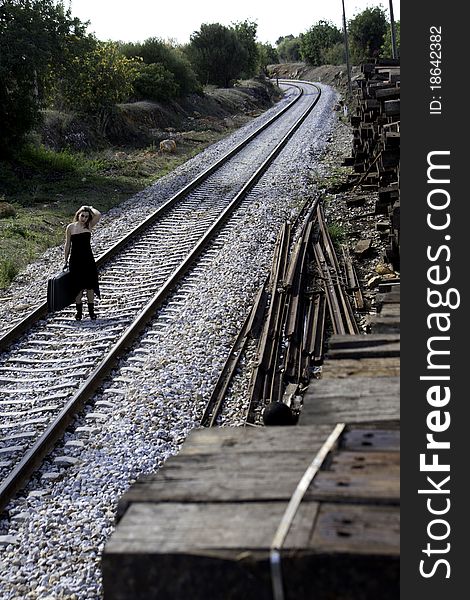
{"x":341,"y":313}
{"x":259,"y":378}
{"x":348,"y":315}
{"x":294,"y":328}
{"x":28,"y":464}
{"x":216,"y":401}
{"x":353,"y":282}
{"x":269,"y":374}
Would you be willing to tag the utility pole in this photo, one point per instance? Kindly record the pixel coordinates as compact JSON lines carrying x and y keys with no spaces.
{"x":346,"y":46}
{"x":392,"y":31}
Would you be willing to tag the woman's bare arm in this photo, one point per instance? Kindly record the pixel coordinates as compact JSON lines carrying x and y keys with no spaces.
{"x":67,"y":243}
{"x":96,"y":216}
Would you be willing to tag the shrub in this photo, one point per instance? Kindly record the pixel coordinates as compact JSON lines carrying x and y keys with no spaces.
{"x":155,"y":82}
{"x":7,"y":210}
{"x":156,"y":51}
{"x":8,"y":271}
{"x":336,"y":55}
{"x":337,"y":233}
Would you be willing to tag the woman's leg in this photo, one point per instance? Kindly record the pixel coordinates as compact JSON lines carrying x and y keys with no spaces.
{"x":90,"y":294}
{"x":79,"y":306}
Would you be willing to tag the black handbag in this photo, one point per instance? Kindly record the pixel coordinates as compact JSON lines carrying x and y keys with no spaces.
{"x":60,"y":292}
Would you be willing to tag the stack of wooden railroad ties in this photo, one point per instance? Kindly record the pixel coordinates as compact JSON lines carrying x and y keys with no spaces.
{"x":376,"y":145}
{"x":305,"y":511}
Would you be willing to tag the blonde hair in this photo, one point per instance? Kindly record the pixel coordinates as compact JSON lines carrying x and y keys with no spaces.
{"x":87,"y":210}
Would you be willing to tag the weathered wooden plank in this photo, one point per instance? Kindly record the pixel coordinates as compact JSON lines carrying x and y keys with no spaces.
{"x":347,"y":557}
{"x":232,"y":464}
{"x":363,"y":367}
{"x":356,"y":387}
{"x":389,"y":286}
{"x":187,"y":527}
{"x":216,"y":478}
{"x":384,"y":351}
{"x":357,"y":529}
{"x":392,"y":107}
{"x":386,"y":324}
{"x":388,"y":297}
{"x":161,"y":550}
{"x":390,"y":310}
{"x":371,"y":486}
{"x":346,"y":461}
{"x":388,"y":93}
{"x":375,"y":345}
{"x":371,"y":440}
{"x":253,"y":440}
{"x":190,"y":528}
{"x":337,"y":342}
{"x":354,"y":400}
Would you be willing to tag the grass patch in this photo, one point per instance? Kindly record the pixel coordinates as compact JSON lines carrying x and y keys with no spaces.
{"x":8,"y":271}
{"x":25,"y":237}
{"x":337,"y":234}
{"x":50,"y":162}
{"x":336,"y":181}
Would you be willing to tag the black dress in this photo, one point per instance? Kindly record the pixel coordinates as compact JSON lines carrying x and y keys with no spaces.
{"x":83,"y":271}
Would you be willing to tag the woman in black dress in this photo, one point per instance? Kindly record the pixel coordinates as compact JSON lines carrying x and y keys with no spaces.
{"x":83,"y":271}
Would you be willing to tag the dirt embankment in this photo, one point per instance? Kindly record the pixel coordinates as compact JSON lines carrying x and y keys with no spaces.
{"x":140,"y":124}
{"x":334,"y":75}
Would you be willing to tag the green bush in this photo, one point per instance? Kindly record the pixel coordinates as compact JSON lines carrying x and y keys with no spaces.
{"x":337,"y":233}
{"x":386,"y":49}
{"x":366,"y":34}
{"x":317,"y":40}
{"x":217,"y":55}
{"x":173,"y":59}
{"x":288,"y":48}
{"x":8,"y":271}
{"x":102,"y":77}
{"x":155,"y":82}
{"x":6,"y":210}
{"x":34,"y":36}
{"x":335,"y":55}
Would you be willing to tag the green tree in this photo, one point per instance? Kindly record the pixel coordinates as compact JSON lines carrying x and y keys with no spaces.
{"x":216,"y":54}
{"x":104,"y":77}
{"x":171,"y":58}
{"x":386,"y":49}
{"x":246,"y":34}
{"x":336,"y":55}
{"x":267,"y":55}
{"x":62,"y":76}
{"x":366,"y":34}
{"x":288,"y":48}
{"x":317,"y":40}
{"x":35,"y":37}
{"x":155,"y":82}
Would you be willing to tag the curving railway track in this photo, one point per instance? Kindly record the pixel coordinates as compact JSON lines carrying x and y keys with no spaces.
{"x":51,"y":365}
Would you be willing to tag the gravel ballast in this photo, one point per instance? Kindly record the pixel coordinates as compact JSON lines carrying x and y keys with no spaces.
{"x":50,"y":545}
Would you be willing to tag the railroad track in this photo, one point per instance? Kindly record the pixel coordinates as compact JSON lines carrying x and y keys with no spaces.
{"x":51,"y":365}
